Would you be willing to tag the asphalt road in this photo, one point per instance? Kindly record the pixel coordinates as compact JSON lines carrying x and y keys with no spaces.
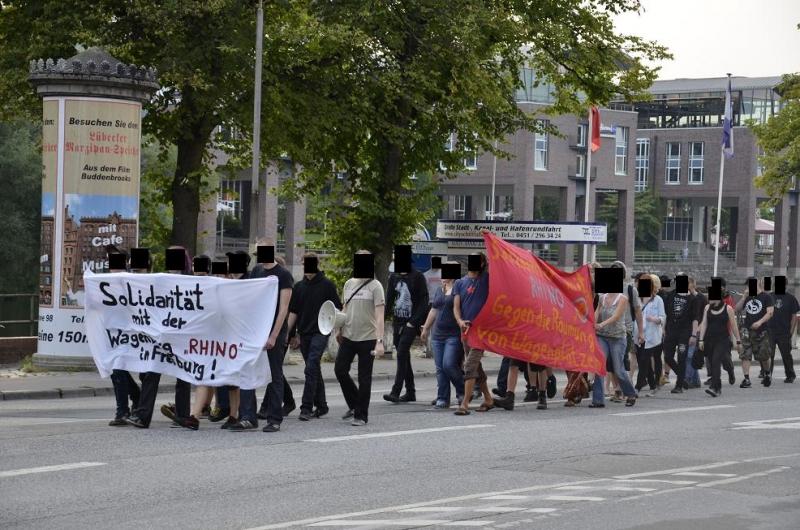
{"x":686,"y":461}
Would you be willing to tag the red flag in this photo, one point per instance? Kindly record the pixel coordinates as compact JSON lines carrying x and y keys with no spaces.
{"x":536,"y":312}
{"x":595,"y":129}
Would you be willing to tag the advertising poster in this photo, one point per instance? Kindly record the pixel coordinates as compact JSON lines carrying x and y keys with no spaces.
{"x":49,"y":178}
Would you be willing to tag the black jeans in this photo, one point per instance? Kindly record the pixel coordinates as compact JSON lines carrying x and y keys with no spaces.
{"x":403,"y":338}
{"x":672,"y":343}
{"x":784,"y":345}
{"x":312,"y":347}
{"x":147,"y":399}
{"x":718,"y":350}
{"x":124,"y":388}
{"x":274,"y":395}
{"x":357,"y":397}
{"x":648,"y":374}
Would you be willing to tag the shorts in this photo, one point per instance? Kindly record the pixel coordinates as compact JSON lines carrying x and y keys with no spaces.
{"x":522,"y":365}
{"x":473,"y":369}
{"x":756,"y":346}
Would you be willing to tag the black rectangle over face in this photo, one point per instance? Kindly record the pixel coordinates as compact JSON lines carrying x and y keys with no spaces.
{"x":715,"y":291}
{"x":219,"y":267}
{"x":780,"y":284}
{"x":474,"y":263}
{"x":237,"y":263}
{"x":117,"y":261}
{"x":681,"y":284}
{"x":363,"y":266}
{"x":140,"y":258}
{"x":752,"y":287}
{"x":608,"y":280}
{"x":451,"y":271}
{"x":645,"y":288}
{"x":436,"y":262}
{"x":767,"y":283}
{"x":402,"y":258}
{"x":310,"y":265}
{"x":265,"y":254}
{"x":175,"y":259}
{"x":201,"y":265}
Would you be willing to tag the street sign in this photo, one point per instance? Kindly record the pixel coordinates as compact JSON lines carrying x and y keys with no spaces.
{"x":434,"y":248}
{"x":524,"y":231}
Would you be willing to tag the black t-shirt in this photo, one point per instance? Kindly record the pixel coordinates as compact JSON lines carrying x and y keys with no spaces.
{"x":700,"y":302}
{"x":285,"y":281}
{"x":680,"y":311}
{"x":786,"y":307}
{"x":755,"y":307}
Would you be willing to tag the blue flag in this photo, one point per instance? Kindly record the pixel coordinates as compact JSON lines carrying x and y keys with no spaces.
{"x":727,"y":124}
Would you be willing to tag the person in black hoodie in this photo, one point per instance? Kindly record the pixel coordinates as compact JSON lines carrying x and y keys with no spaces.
{"x":307,"y":298}
{"x":407,"y":299}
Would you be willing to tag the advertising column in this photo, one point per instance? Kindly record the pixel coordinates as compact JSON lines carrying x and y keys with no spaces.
{"x":90,"y":206}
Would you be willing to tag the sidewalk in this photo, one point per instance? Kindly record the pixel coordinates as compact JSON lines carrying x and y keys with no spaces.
{"x":15,"y":385}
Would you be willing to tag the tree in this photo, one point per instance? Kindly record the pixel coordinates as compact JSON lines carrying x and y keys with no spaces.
{"x":412,"y":73}
{"x":780,"y":139}
{"x":20,"y":206}
{"x":647,"y":213}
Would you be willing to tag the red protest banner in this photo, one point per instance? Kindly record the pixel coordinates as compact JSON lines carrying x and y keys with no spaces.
{"x":536,"y":312}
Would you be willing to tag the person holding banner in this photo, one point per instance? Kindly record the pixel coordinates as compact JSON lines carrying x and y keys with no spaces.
{"x":124,"y":385}
{"x":177,"y":262}
{"x":201,"y":266}
{"x":610,"y":328}
{"x":471,"y":293}
{"x":361,"y":335}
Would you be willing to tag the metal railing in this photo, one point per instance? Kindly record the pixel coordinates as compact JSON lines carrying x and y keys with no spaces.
{"x":32,"y":311}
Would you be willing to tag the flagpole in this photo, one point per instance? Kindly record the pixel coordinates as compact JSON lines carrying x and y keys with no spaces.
{"x":727,"y":143}
{"x":588,"y":170}
{"x":719,"y":207}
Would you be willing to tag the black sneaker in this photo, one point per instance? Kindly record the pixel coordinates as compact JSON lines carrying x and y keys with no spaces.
{"x":551,"y":387}
{"x":731,"y":378}
{"x":506,"y":402}
{"x":119,"y":421}
{"x":677,"y":390}
{"x":707,"y":382}
{"x":271,"y":427}
{"x":789,"y":379}
{"x":694,"y":385}
{"x":530,"y":395}
{"x":168,"y":410}
{"x":191,"y":423}
{"x":348,"y":414}
{"x":320,"y":412}
{"x":746,"y":383}
{"x":261,"y":414}
{"x":305,"y":415}
{"x":761,"y":374}
{"x":243,"y":425}
{"x":394,"y":398}
{"x":711,"y":392}
{"x":496,"y":392}
{"x":685,"y":385}
{"x":218,"y":414}
{"x":289,"y":407}
{"x":136,"y":421}
{"x":767,"y":381}
{"x":230,"y":421}
{"x":542,"y":401}
{"x":407,"y":397}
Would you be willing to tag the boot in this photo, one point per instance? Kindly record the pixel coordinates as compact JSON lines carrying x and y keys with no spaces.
{"x":506,"y":402}
{"x":542,"y":401}
{"x":530,"y":394}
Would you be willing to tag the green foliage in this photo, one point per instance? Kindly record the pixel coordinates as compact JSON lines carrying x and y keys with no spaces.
{"x":780,"y":140}
{"x":155,"y":204}
{"x":647,"y":219}
{"x":20,"y":206}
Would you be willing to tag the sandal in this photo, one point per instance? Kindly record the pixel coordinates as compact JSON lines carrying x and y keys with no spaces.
{"x":631,"y":401}
{"x":485,"y":408}
{"x":461,"y":411}
{"x":569,"y":403}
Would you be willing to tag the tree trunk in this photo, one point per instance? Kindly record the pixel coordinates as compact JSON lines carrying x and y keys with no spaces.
{"x":186,"y":191}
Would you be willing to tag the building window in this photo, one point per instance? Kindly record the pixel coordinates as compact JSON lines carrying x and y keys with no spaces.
{"x":677,"y":223}
{"x":580,"y":166}
{"x":540,"y":141}
{"x":695,"y":162}
{"x":621,"y":158}
{"x":471,"y":158}
{"x":673,"y":163}
{"x":448,"y":146}
{"x":581,"y":135}
{"x":460,"y":207}
{"x":642,"y":163}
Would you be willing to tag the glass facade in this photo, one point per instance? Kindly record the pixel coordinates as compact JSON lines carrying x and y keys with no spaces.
{"x":621,"y":153}
{"x":534,"y":90}
{"x":673,"y":163}
{"x":696,"y":162}
{"x":642,"y":163}
{"x":677,"y":223}
{"x":540,"y":149}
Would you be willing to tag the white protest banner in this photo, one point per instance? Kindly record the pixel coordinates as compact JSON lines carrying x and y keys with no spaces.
{"x":524,"y":231}
{"x":201,"y":329}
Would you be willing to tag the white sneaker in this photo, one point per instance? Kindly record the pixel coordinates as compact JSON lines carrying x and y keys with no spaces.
{"x":652,"y":393}
{"x":358,"y":423}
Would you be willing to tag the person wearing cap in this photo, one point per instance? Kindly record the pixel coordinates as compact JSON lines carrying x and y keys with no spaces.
{"x":124,"y":386}
{"x":307,"y":298}
{"x":275,"y":346}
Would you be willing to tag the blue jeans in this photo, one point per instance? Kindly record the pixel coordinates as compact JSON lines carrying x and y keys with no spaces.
{"x":312,"y":347}
{"x":447,"y":354}
{"x":692,"y":375}
{"x":615,"y":349}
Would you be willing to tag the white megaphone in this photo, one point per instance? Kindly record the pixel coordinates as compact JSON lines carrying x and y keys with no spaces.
{"x":330,"y":318}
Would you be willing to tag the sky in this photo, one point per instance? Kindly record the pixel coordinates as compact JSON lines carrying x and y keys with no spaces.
{"x":709,"y":38}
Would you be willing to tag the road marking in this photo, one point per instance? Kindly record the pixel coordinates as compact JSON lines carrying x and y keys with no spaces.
{"x":381,"y":522}
{"x":575,"y":488}
{"x":398,"y":433}
{"x":628,"y":488}
{"x":468,"y":523}
{"x":701,"y":474}
{"x":743,"y":477}
{"x":677,"y":470}
{"x":573,"y":498}
{"x":669,"y":411}
{"x":541,"y":510}
{"x":499,"y":509}
{"x":781,"y":423}
{"x":47,"y":469}
{"x":676,"y":482}
{"x":505,"y":498}
{"x":433,"y":509}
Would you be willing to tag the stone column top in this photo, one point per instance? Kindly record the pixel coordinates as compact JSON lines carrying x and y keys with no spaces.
{"x":93,"y":72}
